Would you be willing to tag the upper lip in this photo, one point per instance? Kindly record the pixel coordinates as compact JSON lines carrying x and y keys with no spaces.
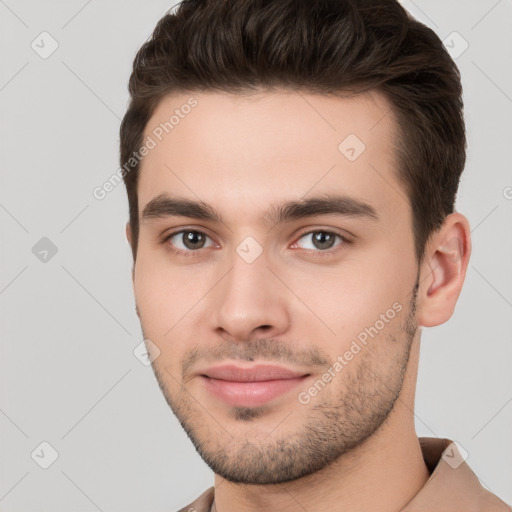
{"x":254,"y":373}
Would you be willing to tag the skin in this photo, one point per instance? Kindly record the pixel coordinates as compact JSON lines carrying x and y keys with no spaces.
{"x":298,"y":304}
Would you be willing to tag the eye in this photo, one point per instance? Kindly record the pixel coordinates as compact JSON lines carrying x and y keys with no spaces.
{"x":321,"y":240}
{"x":187,"y":241}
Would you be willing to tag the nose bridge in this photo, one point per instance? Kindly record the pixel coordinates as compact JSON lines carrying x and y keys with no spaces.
{"x":249,"y":297}
{"x":246,"y":284}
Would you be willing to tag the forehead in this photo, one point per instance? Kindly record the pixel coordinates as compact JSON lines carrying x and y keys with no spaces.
{"x":240,"y":152}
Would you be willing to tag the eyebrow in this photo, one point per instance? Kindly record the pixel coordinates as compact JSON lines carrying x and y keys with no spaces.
{"x":163,"y":206}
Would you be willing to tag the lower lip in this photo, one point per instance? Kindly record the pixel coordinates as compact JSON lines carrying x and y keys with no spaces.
{"x":250,"y":394}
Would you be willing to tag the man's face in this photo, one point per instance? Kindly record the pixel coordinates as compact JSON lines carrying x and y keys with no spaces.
{"x":317,"y":292}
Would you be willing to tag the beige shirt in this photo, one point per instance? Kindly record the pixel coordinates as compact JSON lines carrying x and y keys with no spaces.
{"x":452,"y":486}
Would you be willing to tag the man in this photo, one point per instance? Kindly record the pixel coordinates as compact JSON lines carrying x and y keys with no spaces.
{"x":291,"y":169}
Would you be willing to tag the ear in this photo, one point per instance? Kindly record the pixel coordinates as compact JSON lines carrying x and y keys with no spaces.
{"x":129,"y":238}
{"x":129,"y":233}
{"x":443,"y":270}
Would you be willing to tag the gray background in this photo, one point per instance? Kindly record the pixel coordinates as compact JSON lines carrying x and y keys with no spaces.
{"x":68,"y":373}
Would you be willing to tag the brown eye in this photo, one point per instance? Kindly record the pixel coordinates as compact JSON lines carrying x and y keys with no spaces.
{"x":193,"y":239}
{"x":321,"y":240}
{"x":188,"y":241}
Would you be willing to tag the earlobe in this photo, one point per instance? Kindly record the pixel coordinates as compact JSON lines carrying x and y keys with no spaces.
{"x":444,"y":271}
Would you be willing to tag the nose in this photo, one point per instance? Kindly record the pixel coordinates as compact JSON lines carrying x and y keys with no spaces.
{"x":250,"y":301}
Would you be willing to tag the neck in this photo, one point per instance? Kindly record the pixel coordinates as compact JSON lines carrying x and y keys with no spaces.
{"x":381,"y":474}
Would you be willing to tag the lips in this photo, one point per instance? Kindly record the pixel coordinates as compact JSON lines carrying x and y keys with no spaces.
{"x":250,"y":386}
{"x":251,"y":374}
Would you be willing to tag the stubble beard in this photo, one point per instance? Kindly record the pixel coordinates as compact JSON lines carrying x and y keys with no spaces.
{"x":337,"y":420}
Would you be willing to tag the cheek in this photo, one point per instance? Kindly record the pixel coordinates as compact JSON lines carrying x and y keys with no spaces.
{"x":350,"y":298}
{"x":158,"y":293}
{"x":160,"y":305}
{"x":167,"y":297}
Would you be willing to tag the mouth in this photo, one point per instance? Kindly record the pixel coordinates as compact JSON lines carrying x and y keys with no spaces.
{"x":250,"y":386}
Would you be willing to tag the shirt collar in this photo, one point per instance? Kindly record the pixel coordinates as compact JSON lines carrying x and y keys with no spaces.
{"x":452,"y":484}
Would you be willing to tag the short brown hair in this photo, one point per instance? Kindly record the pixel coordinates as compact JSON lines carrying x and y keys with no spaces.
{"x":315,"y":46}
